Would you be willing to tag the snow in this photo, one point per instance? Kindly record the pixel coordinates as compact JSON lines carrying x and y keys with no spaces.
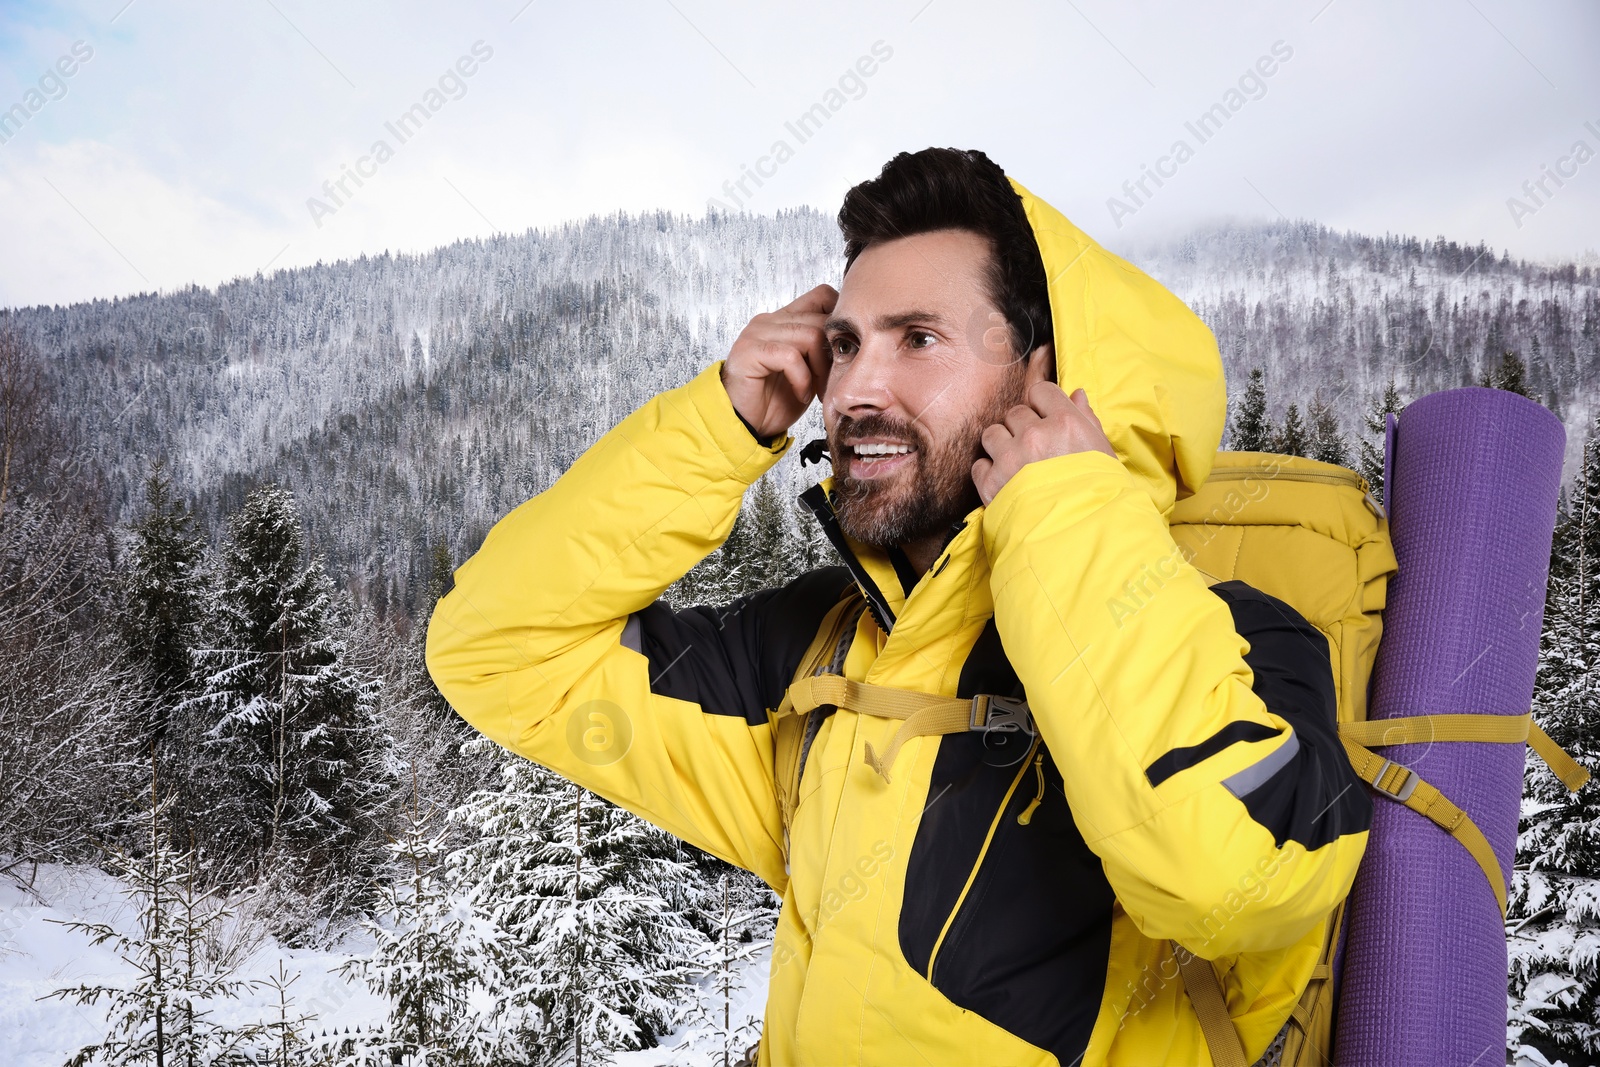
{"x":38,"y":956}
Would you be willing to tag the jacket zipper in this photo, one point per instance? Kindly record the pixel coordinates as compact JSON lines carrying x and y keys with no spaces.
{"x":1339,"y":477}
{"x":972,"y":876}
{"x":1038,"y":797}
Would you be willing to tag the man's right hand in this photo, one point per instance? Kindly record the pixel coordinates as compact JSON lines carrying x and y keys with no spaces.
{"x":780,"y":363}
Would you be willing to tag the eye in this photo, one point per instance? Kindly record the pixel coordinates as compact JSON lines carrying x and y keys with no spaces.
{"x":913,"y":336}
{"x":843,"y":347}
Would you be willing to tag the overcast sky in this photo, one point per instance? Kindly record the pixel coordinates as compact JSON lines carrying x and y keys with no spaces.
{"x":195,"y":142}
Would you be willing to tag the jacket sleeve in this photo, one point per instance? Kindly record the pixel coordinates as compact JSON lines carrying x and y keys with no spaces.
{"x":1203,"y":767}
{"x":552,"y":643}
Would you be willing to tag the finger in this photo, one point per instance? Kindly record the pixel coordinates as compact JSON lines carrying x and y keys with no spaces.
{"x":981,"y":470}
{"x":808,"y":337}
{"x":798,"y":374}
{"x":995,"y":439}
{"x":1081,"y":399}
{"x":1048,"y":398}
{"x":789,"y":361}
{"x":821,"y":299}
{"x":1020,"y":418}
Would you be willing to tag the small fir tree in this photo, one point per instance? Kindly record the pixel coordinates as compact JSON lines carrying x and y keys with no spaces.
{"x":1326,"y":442}
{"x":1292,"y":438}
{"x":1251,"y":428}
{"x":583,"y":890}
{"x":436,"y":963}
{"x":1370,"y":462}
{"x":165,"y":1014}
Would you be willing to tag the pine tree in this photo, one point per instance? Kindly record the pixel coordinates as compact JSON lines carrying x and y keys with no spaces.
{"x":1554,"y":917}
{"x":1251,"y":429}
{"x":723,"y":1022}
{"x":166,"y":1014}
{"x":1291,"y":439}
{"x":436,"y":963}
{"x":1370,"y":463}
{"x":162,"y":594}
{"x":284,"y":1040}
{"x":773,"y":560}
{"x":584,"y":891}
{"x":1326,"y":442}
{"x":283,"y":715}
{"x":725,"y":574}
{"x":1510,"y":375}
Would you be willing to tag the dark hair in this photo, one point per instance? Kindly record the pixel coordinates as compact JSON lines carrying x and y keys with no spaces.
{"x":953,"y":188}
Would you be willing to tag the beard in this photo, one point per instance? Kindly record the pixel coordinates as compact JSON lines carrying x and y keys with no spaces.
{"x":933,"y":494}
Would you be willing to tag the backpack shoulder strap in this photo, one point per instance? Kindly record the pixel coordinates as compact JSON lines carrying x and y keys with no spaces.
{"x":794,"y":729}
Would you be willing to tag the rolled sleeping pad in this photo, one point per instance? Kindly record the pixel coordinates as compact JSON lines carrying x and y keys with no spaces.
{"x":1474,"y":478}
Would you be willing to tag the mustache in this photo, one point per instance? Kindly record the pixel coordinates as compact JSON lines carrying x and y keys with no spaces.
{"x":875,"y":425}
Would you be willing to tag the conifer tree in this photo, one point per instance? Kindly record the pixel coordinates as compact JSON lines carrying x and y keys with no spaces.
{"x":283,"y":715}
{"x":1251,"y":428}
{"x":163,"y":592}
{"x":1370,"y":462}
{"x":773,"y":558}
{"x":166,"y":1014}
{"x":1291,"y":439}
{"x":722,"y":1020}
{"x":582,"y":889}
{"x":1554,"y":918}
{"x":1510,"y":374}
{"x":436,"y":962}
{"x":1326,"y":443}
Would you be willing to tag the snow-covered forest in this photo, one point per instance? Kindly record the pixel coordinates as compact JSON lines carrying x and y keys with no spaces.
{"x":239,"y":822}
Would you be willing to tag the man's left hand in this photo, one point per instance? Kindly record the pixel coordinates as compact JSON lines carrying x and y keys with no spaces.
{"x":1050,"y":424}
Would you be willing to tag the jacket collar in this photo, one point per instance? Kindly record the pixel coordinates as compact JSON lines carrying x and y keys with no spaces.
{"x":955,"y":590}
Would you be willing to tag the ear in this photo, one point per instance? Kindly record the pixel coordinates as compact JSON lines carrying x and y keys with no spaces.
{"x":1041,"y":364}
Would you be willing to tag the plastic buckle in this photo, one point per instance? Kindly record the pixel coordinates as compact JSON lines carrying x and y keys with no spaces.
{"x":1408,"y":787}
{"x":998,"y":714}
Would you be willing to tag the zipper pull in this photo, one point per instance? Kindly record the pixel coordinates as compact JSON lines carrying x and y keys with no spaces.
{"x":1038,"y":798}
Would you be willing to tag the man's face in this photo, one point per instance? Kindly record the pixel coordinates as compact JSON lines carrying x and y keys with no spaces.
{"x":922,"y":364}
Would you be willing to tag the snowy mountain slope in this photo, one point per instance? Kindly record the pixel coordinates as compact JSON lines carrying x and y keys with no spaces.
{"x":409,"y":399}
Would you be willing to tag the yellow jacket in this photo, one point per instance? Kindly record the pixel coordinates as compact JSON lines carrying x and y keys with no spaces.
{"x":996,"y":901}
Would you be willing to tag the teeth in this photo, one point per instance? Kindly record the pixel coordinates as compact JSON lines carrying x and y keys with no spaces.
{"x":881,"y":450}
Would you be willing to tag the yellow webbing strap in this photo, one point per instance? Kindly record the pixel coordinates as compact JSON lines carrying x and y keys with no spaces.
{"x":924,"y":714}
{"x":1406,"y":786}
{"x":1420,"y":729}
{"x":1205,"y":994}
{"x":789,"y":729}
{"x":1510,"y":729}
{"x":865,"y":698}
{"x":1572,"y":774}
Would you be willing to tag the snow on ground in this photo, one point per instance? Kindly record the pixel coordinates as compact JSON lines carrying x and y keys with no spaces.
{"x":39,"y":955}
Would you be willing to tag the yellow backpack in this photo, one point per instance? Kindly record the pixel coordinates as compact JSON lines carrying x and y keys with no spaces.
{"x":1312,"y":535}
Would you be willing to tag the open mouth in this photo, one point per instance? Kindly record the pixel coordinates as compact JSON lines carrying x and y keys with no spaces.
{"x":872,"y":459}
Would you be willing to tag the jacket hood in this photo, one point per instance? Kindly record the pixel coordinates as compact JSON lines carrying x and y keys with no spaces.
{"x":1149,"y":365}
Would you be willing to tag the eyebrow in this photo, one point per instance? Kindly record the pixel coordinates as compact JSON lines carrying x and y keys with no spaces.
{"x":889,"y":322}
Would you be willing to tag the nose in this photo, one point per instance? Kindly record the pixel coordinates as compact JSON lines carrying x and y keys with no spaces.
{"x":864,"y":384}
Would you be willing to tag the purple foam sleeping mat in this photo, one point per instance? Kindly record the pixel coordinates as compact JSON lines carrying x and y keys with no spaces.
{"x":1472,"y":486}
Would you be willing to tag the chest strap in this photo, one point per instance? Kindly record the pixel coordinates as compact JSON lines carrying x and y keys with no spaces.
{"x":923,"y":714}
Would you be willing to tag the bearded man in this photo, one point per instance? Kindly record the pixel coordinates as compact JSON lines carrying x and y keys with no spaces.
{"x":1011,"y":413}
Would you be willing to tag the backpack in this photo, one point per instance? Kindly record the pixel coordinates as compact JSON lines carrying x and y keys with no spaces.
{"x":1306,"y":532}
